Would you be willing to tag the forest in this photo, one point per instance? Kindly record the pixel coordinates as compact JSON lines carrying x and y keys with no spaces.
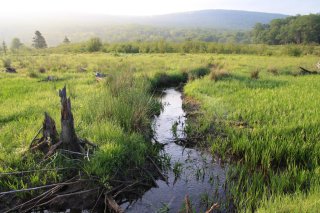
{"x":291,"y":30}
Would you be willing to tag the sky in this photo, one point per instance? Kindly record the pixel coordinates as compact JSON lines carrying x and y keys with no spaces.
{"x":153,"y":7}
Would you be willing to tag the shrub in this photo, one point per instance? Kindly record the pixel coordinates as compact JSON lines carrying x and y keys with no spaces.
{"x":294,"y":51}
{"x":255,"y":74}
{"x":161,"y":80}
{"x":32,"y":74}
{"x":273,"y":70}
{"x":42,"y":70}
{"x":218,"y":74}
{"x":198,"y":72}
{"x":6,"y":63}
{"x":94,"y":44}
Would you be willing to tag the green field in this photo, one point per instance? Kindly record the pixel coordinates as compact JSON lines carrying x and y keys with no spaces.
{"x":266,"y":128}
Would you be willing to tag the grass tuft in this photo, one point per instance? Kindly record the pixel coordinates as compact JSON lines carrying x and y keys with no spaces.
{"x":218,"y":74}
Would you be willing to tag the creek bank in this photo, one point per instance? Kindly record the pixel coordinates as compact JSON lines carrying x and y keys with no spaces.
{"x":192,"y":172}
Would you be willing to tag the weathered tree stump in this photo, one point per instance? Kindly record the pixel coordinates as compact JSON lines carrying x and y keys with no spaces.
{"x":49,"y":135}
{"x":68,"y":140}
{"x":68,"y":135}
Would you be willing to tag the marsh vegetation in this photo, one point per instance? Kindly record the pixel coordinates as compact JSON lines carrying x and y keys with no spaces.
{"x":255,"y":112}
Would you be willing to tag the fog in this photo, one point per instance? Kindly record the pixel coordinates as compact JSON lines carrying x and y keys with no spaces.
{"x":22,"y":8}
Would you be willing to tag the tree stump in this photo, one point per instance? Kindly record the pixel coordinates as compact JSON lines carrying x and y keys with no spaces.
{"x":68,"y":135}
{"x":49,"y":135}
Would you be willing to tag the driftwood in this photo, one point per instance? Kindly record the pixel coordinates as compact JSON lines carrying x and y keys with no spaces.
{"x":307,"y":72}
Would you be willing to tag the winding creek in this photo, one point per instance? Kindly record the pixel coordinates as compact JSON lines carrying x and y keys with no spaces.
{"x":196,"y":173}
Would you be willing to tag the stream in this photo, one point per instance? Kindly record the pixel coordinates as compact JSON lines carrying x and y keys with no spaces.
{"x":193,"y":172}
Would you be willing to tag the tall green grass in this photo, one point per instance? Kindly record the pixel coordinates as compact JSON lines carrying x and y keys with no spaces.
{"x":115,"y":114}
{"x":268,"y":126}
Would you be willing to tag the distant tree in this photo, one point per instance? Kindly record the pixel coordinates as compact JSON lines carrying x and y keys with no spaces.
{"x":15,"y":44}
{"x":66,"y":40}
{"x":294,"y":29}
{"x":39,"y":41}
{"x":94,"y":44}
{"x":4,"y":47}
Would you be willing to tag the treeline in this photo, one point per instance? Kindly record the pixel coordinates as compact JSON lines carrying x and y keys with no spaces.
{"x":292,"y":30}
{"x":162,"y":46}
{"x":129,"y":33}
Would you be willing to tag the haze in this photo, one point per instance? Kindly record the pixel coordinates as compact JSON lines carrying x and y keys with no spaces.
{"x":18,"y":8}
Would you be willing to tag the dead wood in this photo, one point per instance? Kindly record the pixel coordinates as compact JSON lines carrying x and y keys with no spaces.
{"x":213,"y":207}
{"x":68,"y":140}
{"x":11,"y":70}
{"x":188,"y":204}
{"x":35,"y":137}
{"x":49,"y":135}
{"x":164,"y":178}
{"x":84,"y":142}
{"x":68,"y":135}
{"x":304,"y":71}
{"x":53,"y":149}
{"x":112,"y":204}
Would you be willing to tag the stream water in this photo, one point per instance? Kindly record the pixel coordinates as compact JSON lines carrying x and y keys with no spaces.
{"x":193,"y":172}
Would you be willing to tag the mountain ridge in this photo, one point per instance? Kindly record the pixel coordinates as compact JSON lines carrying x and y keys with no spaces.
{"x":81,"y":27}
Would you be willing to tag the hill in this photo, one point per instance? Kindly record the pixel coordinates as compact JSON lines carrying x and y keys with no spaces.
{"x":79,"y":27}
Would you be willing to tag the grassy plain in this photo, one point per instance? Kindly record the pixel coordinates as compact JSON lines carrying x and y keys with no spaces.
{"x":267,"y":126}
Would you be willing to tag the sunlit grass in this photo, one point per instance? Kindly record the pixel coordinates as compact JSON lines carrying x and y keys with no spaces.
{"x":270,"y":123}
{"x":271,"y":126}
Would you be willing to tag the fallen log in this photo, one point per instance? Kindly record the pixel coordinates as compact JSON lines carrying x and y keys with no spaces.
{"x":307,"y":72}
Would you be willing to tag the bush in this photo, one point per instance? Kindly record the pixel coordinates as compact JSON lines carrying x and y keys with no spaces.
{"x":273,"y":70}
{"x":42,"y":70}
{"x":216,"y":75}
{"x":255,"y":74}
{"x":94,"y":45}
{"x":161,"y":80}
{"x":6,"y":63}
{"x":32,"y":74}
{"x":294,"y":51}
{"x":198,"y":72}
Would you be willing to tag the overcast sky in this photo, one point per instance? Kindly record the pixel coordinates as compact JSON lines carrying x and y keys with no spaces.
{"x":153,"y":7}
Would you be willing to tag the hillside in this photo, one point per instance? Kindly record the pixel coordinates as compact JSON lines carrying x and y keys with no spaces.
{"x":112,"y":28}
{"x":221,"y":19}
